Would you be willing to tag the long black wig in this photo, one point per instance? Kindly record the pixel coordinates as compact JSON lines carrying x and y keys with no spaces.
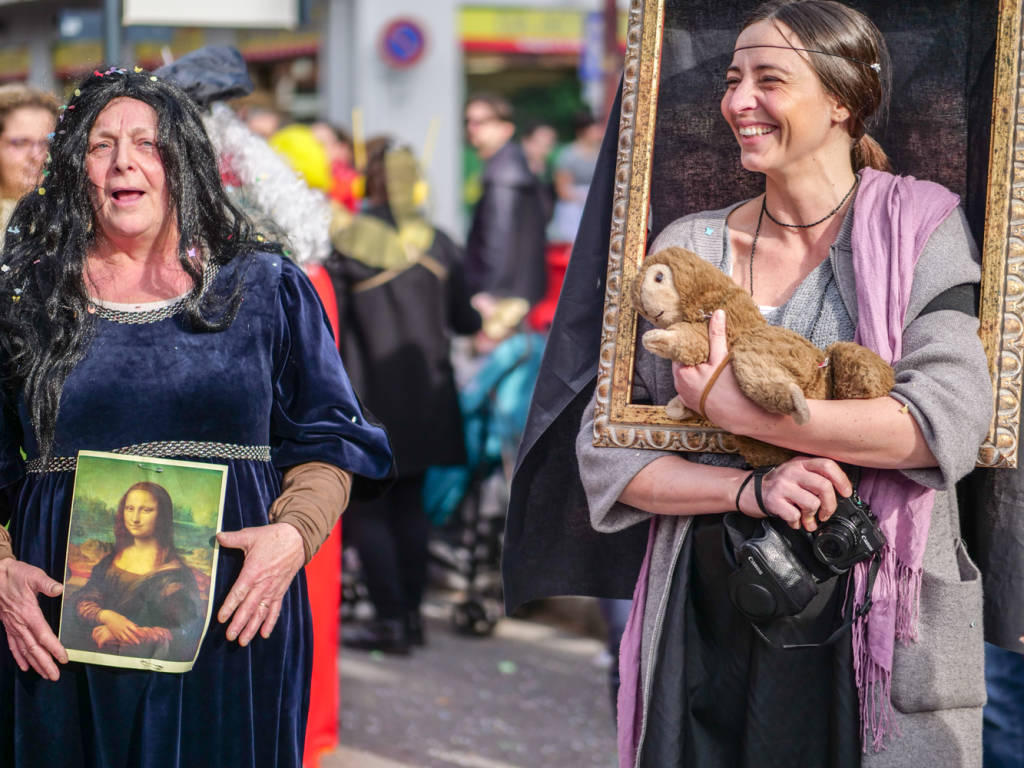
{"x":46,"y":319}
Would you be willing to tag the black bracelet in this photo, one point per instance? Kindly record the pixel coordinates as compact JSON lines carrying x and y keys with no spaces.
{"x":759,"y":475}
{"x":744,"y":484}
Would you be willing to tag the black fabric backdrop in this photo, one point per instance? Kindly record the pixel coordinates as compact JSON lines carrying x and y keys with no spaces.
{"x":938,"y":129}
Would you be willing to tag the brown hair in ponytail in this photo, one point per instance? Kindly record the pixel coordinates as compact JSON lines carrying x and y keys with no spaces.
{"x":868,"y":153}
{"x":854,"y":44}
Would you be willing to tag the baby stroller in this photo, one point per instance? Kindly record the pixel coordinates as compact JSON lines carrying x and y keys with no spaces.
{"x":467,"y":503}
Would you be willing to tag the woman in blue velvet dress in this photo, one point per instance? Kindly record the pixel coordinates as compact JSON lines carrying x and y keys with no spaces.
{"x":140,"y":314}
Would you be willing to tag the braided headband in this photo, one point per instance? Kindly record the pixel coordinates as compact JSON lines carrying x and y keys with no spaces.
{"x":876,"y":66}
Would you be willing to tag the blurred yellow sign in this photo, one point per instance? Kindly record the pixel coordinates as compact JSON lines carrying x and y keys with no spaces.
{"x":525,"y":30}
{"x":14,"y":61}
{"x":75,"y":57}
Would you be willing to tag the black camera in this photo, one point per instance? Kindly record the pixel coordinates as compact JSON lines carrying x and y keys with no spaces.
{"x":849,"y":536}
{"x":770,"y":581}
{"x":778,"y":569}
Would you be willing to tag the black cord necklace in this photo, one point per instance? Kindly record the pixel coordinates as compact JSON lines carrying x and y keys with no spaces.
{"x":765,"y":212}
{"x":826,"y":217}
{"x":753,"y":245}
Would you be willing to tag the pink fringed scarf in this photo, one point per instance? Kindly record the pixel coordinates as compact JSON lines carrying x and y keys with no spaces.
{"x":629,"y":705}
{"x":892,"y":220}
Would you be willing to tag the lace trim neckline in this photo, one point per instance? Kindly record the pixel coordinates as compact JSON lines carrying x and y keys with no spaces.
{"x":137,"y":306}
{"x":140,"y":313}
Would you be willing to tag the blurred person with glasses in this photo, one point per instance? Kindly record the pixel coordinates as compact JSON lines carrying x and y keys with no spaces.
{"x":27,"y":120}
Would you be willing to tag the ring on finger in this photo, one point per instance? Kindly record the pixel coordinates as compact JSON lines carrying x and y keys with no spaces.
{"x":263,"y":604}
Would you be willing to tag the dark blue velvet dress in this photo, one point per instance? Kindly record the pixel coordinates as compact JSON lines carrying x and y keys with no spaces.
{"x":268,"y":393}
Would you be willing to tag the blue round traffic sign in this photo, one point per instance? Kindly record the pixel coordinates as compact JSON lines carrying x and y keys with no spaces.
{"x":403,"y":42}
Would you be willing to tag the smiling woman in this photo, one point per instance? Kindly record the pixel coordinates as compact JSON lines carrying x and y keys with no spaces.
{"x":829,"y":245}
{"x":140,"y":313}
{"x":817,"y":249}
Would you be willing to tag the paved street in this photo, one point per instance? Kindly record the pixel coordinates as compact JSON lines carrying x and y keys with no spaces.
{"x":531,"y":695}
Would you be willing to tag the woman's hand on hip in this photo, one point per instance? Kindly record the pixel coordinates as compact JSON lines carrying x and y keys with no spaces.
{"x":29,"y":636}
{"x":273,"y":555}
{"x":725,"y":404}
{"x":801,"y":491}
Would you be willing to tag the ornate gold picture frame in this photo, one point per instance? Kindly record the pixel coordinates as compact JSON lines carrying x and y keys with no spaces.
{"x":621,"y":422}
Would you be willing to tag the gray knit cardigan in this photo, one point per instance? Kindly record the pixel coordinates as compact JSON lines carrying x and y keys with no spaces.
{"x":938,"y":686}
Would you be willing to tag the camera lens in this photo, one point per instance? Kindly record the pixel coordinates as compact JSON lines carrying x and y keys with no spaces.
{"x":835,"y":541}
{"x":831,"y":548}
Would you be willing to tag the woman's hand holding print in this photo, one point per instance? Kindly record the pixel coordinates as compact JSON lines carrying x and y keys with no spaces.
{"x":273,"y":555}
{"x":30,"y":638}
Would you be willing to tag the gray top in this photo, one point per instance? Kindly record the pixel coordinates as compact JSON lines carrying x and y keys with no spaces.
{"x":938,"y":683}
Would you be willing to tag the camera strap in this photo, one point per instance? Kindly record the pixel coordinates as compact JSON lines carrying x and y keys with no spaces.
{"x":853,"y":473}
